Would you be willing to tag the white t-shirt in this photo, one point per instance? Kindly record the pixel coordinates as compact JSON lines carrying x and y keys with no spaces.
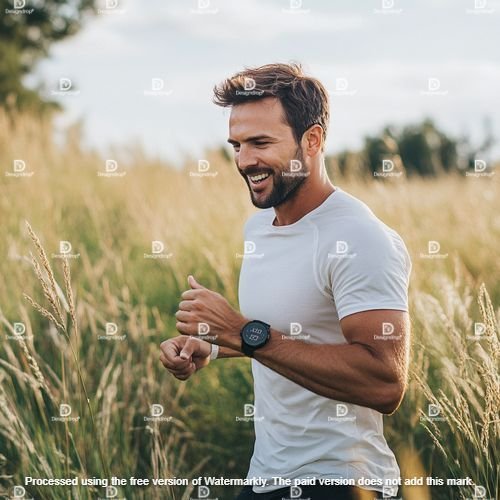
{"x":302,"y":279}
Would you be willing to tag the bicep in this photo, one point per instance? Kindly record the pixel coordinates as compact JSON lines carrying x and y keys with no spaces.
{"x":385,"y":333}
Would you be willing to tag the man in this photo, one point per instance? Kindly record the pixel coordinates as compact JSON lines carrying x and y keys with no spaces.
{"x":323,"y":297}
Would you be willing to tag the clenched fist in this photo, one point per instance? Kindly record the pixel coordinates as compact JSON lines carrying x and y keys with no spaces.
{"x":182,"y":356}
{"x":203,"y":311}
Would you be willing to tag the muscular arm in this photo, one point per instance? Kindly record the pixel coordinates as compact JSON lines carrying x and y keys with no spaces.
{"x":370,"y":370}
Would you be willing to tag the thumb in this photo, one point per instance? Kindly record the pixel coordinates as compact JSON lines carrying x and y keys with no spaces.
{"x":189,"y":348}
{"x":193,"y":283}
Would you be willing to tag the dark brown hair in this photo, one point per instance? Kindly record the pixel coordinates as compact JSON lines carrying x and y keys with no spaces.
{"x":304,"y":99}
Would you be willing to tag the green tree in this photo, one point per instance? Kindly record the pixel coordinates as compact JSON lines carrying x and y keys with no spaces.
{"x":27,"y":30}
{"x":427,"y":151}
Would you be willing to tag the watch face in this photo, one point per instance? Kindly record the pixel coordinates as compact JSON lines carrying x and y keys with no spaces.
{"x":254,"y":334}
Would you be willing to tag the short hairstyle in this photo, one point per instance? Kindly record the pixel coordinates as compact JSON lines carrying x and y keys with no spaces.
{"x":304,"y":99}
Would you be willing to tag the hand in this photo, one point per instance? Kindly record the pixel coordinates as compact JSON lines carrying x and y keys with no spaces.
{"x":182,"y":356}
{"x":203,"y":311}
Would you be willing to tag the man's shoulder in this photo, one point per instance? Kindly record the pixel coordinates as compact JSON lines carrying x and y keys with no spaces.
{"x":345,"y":214}
{"x":349,"y":225}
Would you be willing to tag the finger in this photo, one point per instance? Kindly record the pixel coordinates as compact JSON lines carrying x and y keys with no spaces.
{"x":177,"y":363}
{"x":177,"y":373}
{"x":183,"y":316}
{"x":186,"y":305}
{"x":193,"y":283}
{"x":184,"y":374}
{"x":191,"y":294}
{"x":169,"y":349}
{"x":170,"y":367}
{"x":191,"y":346}
{"x":186,"y":328}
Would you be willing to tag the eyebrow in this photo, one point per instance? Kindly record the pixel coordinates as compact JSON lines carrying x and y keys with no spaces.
{"x":253,"y":138}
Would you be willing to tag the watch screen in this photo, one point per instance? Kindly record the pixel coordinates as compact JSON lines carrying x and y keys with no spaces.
{"x":254,"y":334}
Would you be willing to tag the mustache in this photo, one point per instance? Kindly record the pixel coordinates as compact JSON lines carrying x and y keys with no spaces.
{"x":255,"y":171}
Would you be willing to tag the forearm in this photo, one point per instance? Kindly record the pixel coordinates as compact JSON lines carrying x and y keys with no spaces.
{"x":348,"y":372}
{"x":227,"y":352}
{"x":364,"y":371}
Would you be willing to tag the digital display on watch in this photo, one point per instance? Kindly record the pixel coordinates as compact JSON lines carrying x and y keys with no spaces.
{"x":254,"y":334}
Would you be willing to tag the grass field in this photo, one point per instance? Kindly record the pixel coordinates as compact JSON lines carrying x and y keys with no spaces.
{"x":111,"y":223}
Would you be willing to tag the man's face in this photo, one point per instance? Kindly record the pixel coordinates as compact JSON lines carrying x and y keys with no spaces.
{"x":266,"y":152}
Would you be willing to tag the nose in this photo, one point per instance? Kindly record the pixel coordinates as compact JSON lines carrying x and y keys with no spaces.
{"x":246,"y":157}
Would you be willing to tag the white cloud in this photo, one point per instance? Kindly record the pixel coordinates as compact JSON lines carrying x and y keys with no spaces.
{"x":256,"y":21}
{"x":387,"y":60}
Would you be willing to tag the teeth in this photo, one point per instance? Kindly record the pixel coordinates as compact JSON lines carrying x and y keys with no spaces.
{"x":258,"y":178}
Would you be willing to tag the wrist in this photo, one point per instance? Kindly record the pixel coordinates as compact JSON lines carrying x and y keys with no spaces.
{"x":233,"y":338}
{"x":254,"y":335}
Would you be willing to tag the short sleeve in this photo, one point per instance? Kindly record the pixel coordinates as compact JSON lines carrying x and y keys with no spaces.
{"x":368,"y":271}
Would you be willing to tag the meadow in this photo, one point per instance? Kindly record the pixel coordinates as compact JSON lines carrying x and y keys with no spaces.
{"x":110,"y":386}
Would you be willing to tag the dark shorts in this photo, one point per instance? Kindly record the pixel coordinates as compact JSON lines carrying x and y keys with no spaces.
{"x":313,"y":492}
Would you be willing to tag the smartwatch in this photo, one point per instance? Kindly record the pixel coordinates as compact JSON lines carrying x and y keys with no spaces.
{"x":254,"y":335}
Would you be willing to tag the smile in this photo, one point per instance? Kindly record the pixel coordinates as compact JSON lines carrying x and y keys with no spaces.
{"x":258,"y":178}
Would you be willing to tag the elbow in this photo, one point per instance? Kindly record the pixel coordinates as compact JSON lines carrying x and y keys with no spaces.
{"x":390,"y":397}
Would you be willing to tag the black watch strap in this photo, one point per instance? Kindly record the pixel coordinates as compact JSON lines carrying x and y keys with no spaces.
{"x":247,"y":350}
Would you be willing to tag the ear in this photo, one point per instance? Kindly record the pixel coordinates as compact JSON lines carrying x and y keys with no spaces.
{"x":313,"y":140}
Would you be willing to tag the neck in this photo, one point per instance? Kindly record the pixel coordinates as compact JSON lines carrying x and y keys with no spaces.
{"x":310,"y":195}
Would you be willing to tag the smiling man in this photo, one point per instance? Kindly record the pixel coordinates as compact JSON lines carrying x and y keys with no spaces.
{"x":323,"y":296}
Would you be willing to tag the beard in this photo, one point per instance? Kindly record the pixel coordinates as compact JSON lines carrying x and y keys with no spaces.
{"x":284,"y":187}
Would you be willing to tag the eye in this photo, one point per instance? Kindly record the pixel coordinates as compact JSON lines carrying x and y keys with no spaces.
{"x":261,"y":143}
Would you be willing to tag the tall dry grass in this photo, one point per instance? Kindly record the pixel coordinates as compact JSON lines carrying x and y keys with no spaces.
{"x":111,"y":222}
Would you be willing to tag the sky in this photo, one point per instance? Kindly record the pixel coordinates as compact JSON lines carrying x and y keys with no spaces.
{"x":382,"y":61}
